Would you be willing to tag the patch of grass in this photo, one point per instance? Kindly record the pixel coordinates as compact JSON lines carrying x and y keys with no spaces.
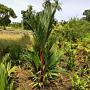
{"x":5,"y":36}
{"x":10,"y":39}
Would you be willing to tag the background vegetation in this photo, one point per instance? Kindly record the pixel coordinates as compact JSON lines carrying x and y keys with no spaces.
{"x":52,"y":55}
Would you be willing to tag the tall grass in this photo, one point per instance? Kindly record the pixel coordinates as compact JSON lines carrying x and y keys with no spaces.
{"x":12,"y":39}
{"x":8,"y":38}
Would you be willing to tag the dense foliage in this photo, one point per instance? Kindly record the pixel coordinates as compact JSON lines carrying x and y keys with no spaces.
{"x":87,"y":14}
{"x":5,"y":14}
{"x":74,"y":45}
{"x":6,"y":81}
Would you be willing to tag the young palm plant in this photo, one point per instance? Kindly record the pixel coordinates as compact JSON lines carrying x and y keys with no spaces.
{"x":42,"y":58}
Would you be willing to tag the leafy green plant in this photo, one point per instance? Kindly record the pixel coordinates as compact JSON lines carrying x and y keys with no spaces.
{"x":43,"y":75}
{"x":14,"y":53}
{"x":43,"y":59}
{"x":70,"y":54}
{"x":6,"y":83}
{"x":75,"y":29}
{"x":71,"y":64}
{"x":79,"y":83}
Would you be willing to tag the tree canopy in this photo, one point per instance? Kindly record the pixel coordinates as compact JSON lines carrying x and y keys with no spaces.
{"x":87,"y":14}
{"x":25,"y":15}
{"x":5,"y":14}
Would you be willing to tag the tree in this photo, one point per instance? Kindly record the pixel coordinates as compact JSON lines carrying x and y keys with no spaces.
{"x":87,"y":14}
{"x":29,"y":13}
{"x":5,"y":14}
{"x":43,"y":59}
{"x":25,"y":15}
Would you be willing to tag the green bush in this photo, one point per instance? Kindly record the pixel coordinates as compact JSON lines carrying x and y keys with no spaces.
{"x":75,"y":29}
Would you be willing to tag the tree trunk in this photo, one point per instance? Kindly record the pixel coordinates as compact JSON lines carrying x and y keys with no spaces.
{"x":4,"y":27}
